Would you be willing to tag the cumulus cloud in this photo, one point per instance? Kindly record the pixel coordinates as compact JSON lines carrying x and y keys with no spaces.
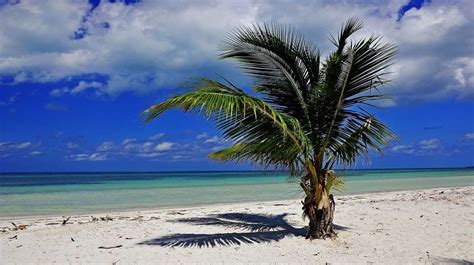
{"x":129,"y":147}
{"x":462,"y":72}
{"x":149,"y":155}
{"x":430,"y":144}
{"x":23,"y":145}
{"x":164,"y":146}
{"x":202,"y":136}
{"x":423,"y":147}
{"x":154,"y":44}
{"x":83,"y":86}
{"x":469,"y":136}
{"x":89,"y":157}
{"x":156,"y":136}
{"x":147,"y":146}
{"x":128,"y":140}
{"x":57,"y":92}
{"x":405,"y":149}
{"x":7,"y":146}
{"x":137,"y":147}
{"x":215,"y":141}
{"x":105,"y":146}
{"x":180,"y":157}
{"x":80,"y":88}
{"x":145,"y":45}
{"x":212,"y":140}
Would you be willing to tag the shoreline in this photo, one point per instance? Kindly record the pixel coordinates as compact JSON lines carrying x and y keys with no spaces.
{"x":187,"y":207}
{"x":372,"y":227}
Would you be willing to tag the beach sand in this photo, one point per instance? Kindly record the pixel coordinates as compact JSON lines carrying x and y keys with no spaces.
{"x":422,"y":226}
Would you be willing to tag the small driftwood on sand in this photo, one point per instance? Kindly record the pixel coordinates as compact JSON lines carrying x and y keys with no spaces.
{"x":65,"y":221}
{"x":117,"y":246}
{"x":19,"y":227}
{"x":106,"y":218}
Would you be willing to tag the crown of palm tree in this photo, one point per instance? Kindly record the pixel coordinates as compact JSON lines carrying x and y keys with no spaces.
{"x":308,"y":115}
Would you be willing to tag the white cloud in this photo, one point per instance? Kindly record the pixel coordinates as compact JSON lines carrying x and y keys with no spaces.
{"x":149,"y":155}
{"x":406,"y":149}
{"x":423,"y":147}
{"x":145,"y":45}
{"x":106,"y":146}
{"x":459,"y":76}
{"x":430,"y":23}
{"x":430,"y":144}
{"x":147,"y":146}
{"x":462,"y":72}
{"x":57,"y":92}
{"x":469,"y":136}
{"x":180,"y":157}
{"x":98,"y":157}
{"x":137,"y":147}
{"x":132,"y":147}
{"x":83,"y":86}
{"x":156,"y":136}
{"x":89,"y":157}
{"x":8,"y":146}
{"x":79,"y":88}
{"x":23,"y":145}
{"x":129,"y":140}
{"x":35,"y":153}
{"x":202,"y":136}
{"x":164,"y":146}
{"x":154,"y":44}
{"x":213,"y":140}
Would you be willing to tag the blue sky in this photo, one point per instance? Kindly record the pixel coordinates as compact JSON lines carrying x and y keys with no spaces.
{"x":75,"y":77}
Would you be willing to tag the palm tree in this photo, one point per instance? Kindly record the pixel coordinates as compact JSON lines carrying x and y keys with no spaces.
{"x":304,"y":116}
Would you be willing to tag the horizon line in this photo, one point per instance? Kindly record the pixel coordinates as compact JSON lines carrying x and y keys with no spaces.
{"x":203,"y":171}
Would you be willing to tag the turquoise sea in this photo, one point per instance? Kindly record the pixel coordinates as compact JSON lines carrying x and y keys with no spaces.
{"x":24,"y":194}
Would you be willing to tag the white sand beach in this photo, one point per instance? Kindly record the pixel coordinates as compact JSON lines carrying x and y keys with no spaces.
{"x":405,"y":227}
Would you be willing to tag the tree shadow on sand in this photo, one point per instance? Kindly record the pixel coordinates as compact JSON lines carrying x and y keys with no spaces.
{"x":260,"y":229}
{"x":442,"y":260}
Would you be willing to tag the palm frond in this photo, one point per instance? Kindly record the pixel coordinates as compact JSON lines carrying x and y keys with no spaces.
{"x":243,"y":119}
{"x":355,"y":138}
{"x":362,"y":70}
{"x":270,"y":153}
{"x":285,"y":65}
{"x":351,"y":26}
{"x":334,"y":181}
{"x":211,"y":97}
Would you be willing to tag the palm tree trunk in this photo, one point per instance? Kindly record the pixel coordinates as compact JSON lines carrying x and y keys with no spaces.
{"x":320,"y":216}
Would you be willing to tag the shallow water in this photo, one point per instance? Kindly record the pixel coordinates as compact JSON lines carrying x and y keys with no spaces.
{"x":73,"y":193}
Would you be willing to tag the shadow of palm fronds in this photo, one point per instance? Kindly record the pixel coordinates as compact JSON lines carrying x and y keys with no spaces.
{"x":251,"y":222}
{"x":212,"y":240}
{"x":442,"y":260}
{"x":260,"y":229}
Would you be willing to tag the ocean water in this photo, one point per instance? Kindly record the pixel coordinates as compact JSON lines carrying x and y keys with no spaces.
{"x":28,"y":194}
